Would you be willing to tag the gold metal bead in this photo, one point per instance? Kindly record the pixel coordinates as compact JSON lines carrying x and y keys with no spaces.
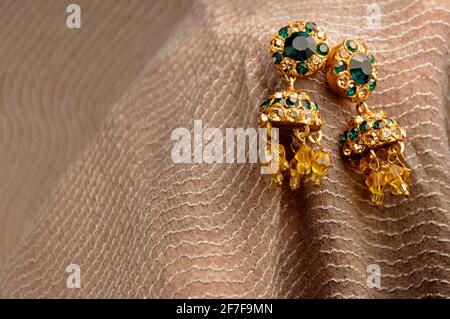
{"x":303,"y":60}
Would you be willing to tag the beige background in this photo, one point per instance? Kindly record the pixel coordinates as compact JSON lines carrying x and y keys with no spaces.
{"x":86,"y":175}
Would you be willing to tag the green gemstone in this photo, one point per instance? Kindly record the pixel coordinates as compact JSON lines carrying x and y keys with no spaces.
{"x":300,"y":46}
{"x":310,"y":26}
{"x":306,"y":104}
{"x":322,"y":49}
{"x":360,"y":68}
{"x":372,"y":84}
{"x":277,"y":57}
{"x":353,"y":133}
{"x":351,"y":90}
{"x":314,"y":106}
{"x":265,"y":104}
{"x":343,"y":137}
{"x":363,"y":127}
{"x":339,"y":67}
{"x":277,"y":101}
{"x":351,"y":45}
{"x":291,"y":101}
{"x":283,"y":32}
{"x":372,"y":59}
{"x":302,"y":68}
{"x":378,"y":124}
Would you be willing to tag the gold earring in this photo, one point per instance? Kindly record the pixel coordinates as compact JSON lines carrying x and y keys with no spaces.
{"x":298,"y":50}
{"x":373,"y":141}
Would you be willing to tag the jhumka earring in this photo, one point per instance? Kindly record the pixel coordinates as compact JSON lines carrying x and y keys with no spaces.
{"x":298,"y":50}
{"x":372,"y":141}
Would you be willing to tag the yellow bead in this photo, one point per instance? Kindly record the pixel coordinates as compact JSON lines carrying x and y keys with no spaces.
{"x":375,"y":182}
{"x":401,"y":188}
{"x":303,"y":157}
{"x":394,"y":176}
{"x":377,"y":199}
{"x":407,"y":175}
{"x":393,"y":172}
{"x":321,"y":162}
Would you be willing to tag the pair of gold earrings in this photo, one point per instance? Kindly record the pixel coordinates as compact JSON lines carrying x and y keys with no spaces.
{"x":372,"y":140}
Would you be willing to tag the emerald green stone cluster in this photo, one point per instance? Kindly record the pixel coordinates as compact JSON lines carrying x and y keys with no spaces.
{"x":355,"y":70}
{"x":289,"y":102}
{"x":369,"y":131}
{"x":299,"y":49}
{"x":363,"y":127}
{"x":290,"y":107}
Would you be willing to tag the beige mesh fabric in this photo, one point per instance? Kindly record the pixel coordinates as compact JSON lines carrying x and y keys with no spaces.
{"x":87,"y":178}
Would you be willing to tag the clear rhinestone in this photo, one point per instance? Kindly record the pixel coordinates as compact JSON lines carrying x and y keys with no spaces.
{"x":294,"y":113}
{"x":358,"y":147}
{"x":293,"y":99}
{"x":359,"y":119}
{"x":315,"y":59}
{"x":278,"y":95}
{"x":263,"y":117}
{"x":374,"y":136}
{"x":343,"y":81}
{"x":389,"y":122}
{"x":308,"y":116}
{"x":362,"y":92}
{"x":379,"y":115}
{"x":321,"y":34}
{"x":397,"y":132}
{"x":386,"y":133}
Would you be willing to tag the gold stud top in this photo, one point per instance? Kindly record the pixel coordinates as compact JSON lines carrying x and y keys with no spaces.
{"x":299,"y":49}
{"x":351,"y":70}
